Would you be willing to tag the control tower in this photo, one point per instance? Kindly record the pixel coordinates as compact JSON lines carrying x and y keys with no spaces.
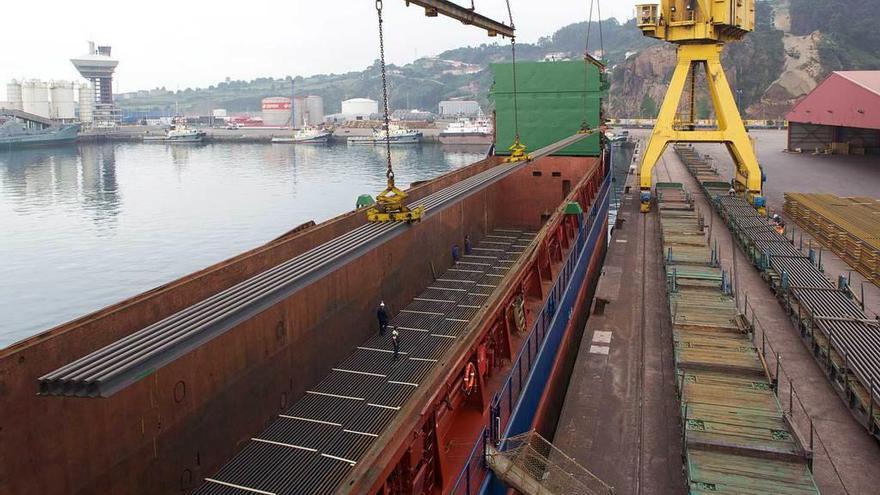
{"x":97,"y":66}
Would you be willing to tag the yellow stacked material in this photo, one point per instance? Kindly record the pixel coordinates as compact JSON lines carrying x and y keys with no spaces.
{"x":849,"y":227}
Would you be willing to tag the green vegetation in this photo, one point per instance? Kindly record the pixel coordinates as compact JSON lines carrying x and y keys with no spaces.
{"x":849,"y":27}
{"x":849,"y":42}
{"x":758,"y":60}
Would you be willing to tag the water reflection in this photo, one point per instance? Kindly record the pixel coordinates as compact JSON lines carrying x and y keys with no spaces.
{"x":87,"y":226}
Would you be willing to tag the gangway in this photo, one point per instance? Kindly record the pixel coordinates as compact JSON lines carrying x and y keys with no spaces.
{"x":531,"y":465}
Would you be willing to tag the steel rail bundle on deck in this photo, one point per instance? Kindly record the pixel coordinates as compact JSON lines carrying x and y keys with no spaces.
{"x":118,"y":365}
{"x":311,"y":447}
{"x":847,"y":343}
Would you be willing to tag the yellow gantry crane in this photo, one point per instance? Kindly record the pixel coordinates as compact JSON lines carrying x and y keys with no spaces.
{"x":700,"y":28}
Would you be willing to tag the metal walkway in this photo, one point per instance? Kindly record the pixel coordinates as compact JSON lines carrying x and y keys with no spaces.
{"x":311,"y":447}
{"x":114,"y":367}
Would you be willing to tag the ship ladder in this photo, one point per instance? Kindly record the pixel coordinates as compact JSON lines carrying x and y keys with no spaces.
{"x":519,"y":313}
{"x":531,"y":465}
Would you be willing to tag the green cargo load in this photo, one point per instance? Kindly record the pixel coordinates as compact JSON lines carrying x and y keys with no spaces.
{"x":551,"y":97}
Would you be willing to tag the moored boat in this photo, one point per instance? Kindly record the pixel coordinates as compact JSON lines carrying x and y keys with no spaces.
{"x":306,"y":135}
{"x":468,"y":131}
{"x":178,"y":133}
{"x":395,"y":135}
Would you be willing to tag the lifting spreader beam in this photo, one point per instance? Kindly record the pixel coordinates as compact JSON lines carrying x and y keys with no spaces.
{"x":465,"y":15}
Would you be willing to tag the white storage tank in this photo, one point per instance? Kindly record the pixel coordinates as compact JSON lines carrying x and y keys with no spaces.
{"x":314,"y":109}
{"x":276,"y":111}
{"x":359,"y":108}
{"x":13,"y":94}
{"x":35,"y":98}
{"x":86,"y":103}
{"x":63,"y":106}
{"x":299,"y":111}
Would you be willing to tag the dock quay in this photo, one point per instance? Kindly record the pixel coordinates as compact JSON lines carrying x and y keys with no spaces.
{"x":843,"y":339}
{"x":844,"y":453}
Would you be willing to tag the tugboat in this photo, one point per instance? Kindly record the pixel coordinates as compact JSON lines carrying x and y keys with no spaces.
{"x":396,"y":135}
{"x":307,"y":135}
{"x":178,"y":133}
{"x":467,"y":131}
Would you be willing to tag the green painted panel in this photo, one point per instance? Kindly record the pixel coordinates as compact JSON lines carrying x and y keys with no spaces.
{"x":552,"y":100}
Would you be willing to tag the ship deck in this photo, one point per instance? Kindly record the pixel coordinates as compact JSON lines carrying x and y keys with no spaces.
{"x":311,"y":446}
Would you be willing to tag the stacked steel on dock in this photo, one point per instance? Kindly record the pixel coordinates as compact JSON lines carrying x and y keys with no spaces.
{"x":843,"y":340}
{"x":850,"y":227}
{"x":736,"y":436}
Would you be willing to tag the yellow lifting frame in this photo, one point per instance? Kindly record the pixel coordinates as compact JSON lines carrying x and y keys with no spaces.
{"x":731,"y":131}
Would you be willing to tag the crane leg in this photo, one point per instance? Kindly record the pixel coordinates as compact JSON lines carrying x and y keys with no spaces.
{"x":730,"y":131}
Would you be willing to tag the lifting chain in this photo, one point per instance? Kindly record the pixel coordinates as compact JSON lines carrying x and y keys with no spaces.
{"x":517,"y":149}
{"x":390,"y":172}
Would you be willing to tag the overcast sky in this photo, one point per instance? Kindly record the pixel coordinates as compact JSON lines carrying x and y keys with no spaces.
{"x":180,"y":44}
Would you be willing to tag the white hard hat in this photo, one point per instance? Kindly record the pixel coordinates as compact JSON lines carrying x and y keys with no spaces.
{"x":382,"y":303}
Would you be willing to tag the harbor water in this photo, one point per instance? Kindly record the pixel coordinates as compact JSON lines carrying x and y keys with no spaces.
{"x":87,"y":226}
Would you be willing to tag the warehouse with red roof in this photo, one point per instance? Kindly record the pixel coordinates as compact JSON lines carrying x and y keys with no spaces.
{"x":842,"y":115}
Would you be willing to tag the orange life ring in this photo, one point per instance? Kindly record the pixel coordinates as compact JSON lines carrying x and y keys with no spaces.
{"x":469,"y":384}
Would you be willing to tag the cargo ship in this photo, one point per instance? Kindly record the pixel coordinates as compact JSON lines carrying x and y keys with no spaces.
{"x":266,"y":373}
{"x":15,"y":135}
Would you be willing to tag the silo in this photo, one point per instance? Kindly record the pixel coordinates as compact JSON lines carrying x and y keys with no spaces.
{"x":35,"y":97}
{"x":315,"y":109}
{"x":63,"y":107}
{"x":86,"y":103}
{"x":13,"y":94}
{"x":359,"y":108}
{"x":276,"y":111}
{"x":27,"y":96}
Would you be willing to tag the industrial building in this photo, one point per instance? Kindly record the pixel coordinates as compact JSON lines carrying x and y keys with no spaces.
{"x":459,"y":108}
{"x":841,"y":116}
{"x":359,"y":108}
{"x":97,"y":66}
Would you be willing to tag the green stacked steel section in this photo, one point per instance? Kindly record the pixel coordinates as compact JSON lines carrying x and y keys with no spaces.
{"x":736,"y":436}
{"x":552,"y":99}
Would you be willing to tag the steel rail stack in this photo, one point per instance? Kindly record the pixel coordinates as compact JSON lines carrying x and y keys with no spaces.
{"x":311,"y":446}
{"x":842,"y":339}
{"x":850,"y":227}
{"x":118,"y":365}
{"x":736,"y":436}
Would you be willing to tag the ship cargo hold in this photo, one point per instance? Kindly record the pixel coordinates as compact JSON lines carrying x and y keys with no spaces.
{"x":265,"y":373}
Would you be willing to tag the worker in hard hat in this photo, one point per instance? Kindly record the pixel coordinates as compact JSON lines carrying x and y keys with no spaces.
{"x":382,"y":315}
{"x":395,"y":343}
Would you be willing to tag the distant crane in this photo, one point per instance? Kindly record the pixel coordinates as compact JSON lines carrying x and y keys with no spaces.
{"x":700,"y":28}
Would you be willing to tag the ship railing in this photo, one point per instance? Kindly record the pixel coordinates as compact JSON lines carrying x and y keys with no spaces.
{"x":472,"y":474}
{"x":505,"y":402}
